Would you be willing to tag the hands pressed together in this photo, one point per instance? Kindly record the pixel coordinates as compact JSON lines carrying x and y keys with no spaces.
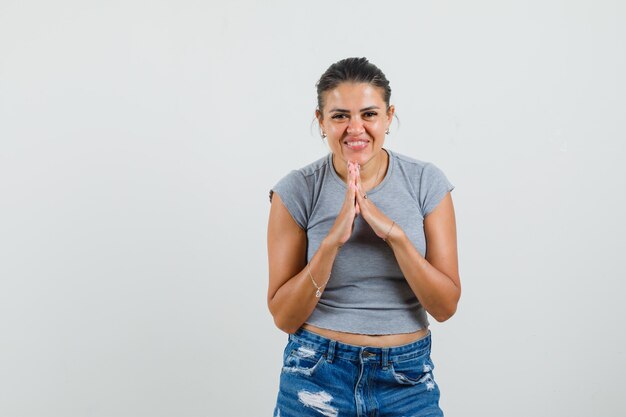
{"x":356,"y":203}
{"x":434,"y":281}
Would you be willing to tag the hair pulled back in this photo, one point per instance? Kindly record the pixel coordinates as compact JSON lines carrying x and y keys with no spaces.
{"x":354,"y":70}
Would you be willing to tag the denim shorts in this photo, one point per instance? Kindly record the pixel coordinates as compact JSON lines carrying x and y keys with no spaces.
{"x":323,"y":377}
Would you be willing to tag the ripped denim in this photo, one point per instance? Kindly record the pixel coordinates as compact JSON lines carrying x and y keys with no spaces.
{"x":323,"y":377}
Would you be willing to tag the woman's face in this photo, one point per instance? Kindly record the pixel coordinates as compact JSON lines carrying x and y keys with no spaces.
{"x":355,"y":118}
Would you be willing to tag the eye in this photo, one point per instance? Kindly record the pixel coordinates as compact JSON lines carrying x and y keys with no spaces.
{"x":339,"y":116}
{"x":370,"y":114}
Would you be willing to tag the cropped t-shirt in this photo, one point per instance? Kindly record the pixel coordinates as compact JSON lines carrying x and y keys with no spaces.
{"x":366,"y":292}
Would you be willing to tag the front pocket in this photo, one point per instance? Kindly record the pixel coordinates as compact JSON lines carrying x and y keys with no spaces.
{"x":302,"y":360}
{"x":414,"y":371}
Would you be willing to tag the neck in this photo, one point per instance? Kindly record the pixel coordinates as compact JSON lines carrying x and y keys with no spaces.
{"x":371,"y":172}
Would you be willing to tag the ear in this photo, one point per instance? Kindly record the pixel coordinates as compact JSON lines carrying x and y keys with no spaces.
{"x":320,"y":118}
{"x":390,"y":112}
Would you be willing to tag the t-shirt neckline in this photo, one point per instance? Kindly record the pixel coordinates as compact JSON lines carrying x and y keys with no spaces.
{"x":390,"y":167}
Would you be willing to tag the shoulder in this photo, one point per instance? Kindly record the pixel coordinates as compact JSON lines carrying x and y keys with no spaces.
{"x":297,"y":189}
{"x":411,"y":164}
{"x":415,"y":170}
{"x":316,"y":166}
{"x":428,"y":182}
{"x":301,"y":182}
{"x":308,"y":173}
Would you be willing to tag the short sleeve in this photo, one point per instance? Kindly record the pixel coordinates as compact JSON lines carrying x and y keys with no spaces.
{"x":294,"y":192}
{"x":433,"y":187}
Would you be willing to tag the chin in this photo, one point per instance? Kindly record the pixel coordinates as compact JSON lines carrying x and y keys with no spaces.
{"x":362,"y":158}
{"x":359,"y":159}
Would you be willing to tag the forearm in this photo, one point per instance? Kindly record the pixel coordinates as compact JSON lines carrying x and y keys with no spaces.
{"x":295,"y":300}
{"x":436,"y":291}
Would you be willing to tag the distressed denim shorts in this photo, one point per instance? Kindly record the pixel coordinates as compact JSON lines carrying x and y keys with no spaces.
{"x":323,"y":377}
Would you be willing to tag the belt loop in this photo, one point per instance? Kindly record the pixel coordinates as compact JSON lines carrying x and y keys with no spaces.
{"x":385,"y":358}
{"x":330,"y":355}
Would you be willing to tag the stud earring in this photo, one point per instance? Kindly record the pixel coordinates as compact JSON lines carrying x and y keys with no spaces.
{"x":387,"y":132}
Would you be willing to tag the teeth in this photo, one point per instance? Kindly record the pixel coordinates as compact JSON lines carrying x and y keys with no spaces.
{"x":357,"y":143}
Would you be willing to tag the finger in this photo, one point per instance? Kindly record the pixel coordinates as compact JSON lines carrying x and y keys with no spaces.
{"x":357,"y":208}
{"x":358,"y":197}
{"x":359,"y":185}
{"x":360,"y":193}
{"x":354,"y":195}
{"x":352,"y":174}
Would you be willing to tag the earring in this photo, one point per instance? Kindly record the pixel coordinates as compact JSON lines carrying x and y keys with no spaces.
{"x":387,"y":132}
{"x":324,"y":135}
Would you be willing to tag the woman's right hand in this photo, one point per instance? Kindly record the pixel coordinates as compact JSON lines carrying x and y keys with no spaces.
{"x":342,"y":228}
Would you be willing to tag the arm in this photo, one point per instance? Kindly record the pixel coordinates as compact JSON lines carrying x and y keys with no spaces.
{"x":291,"y":294}
{"x":434,"y":279}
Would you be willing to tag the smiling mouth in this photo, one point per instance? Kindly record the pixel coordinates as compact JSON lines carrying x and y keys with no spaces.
{"x":356,"y":144}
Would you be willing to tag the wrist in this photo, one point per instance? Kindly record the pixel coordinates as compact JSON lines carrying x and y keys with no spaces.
{"x":330,"y":245}
{"x":395,"y":235}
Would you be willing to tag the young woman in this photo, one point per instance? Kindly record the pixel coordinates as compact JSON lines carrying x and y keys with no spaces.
{"x":361,"y":244}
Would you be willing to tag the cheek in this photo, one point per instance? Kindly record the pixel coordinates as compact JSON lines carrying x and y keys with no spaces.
{"x":376,"y":127}
{"x":337,"y":128}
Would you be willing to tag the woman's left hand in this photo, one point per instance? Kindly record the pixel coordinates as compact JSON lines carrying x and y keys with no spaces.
{"x":378,"y":221}
{"x":434,"y":280}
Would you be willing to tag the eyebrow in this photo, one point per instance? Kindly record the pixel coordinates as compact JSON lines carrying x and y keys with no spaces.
{"x":348,"y":111}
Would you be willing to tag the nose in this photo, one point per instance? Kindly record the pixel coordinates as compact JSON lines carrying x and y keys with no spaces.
{"x":355,"y":127}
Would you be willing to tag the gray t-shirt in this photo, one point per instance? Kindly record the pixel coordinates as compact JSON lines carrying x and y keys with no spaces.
{"x":367,"y":292}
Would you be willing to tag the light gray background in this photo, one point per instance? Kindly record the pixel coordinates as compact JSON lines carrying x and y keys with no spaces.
{"x":138,"y":142}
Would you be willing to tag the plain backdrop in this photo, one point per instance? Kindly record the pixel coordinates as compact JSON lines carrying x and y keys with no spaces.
{"x":139,"y":141}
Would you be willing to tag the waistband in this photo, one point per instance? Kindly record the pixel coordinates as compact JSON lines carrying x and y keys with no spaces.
{"x":332,"y":348}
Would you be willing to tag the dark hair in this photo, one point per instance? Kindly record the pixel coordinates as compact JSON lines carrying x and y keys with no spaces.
{"x":355,"y":70}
